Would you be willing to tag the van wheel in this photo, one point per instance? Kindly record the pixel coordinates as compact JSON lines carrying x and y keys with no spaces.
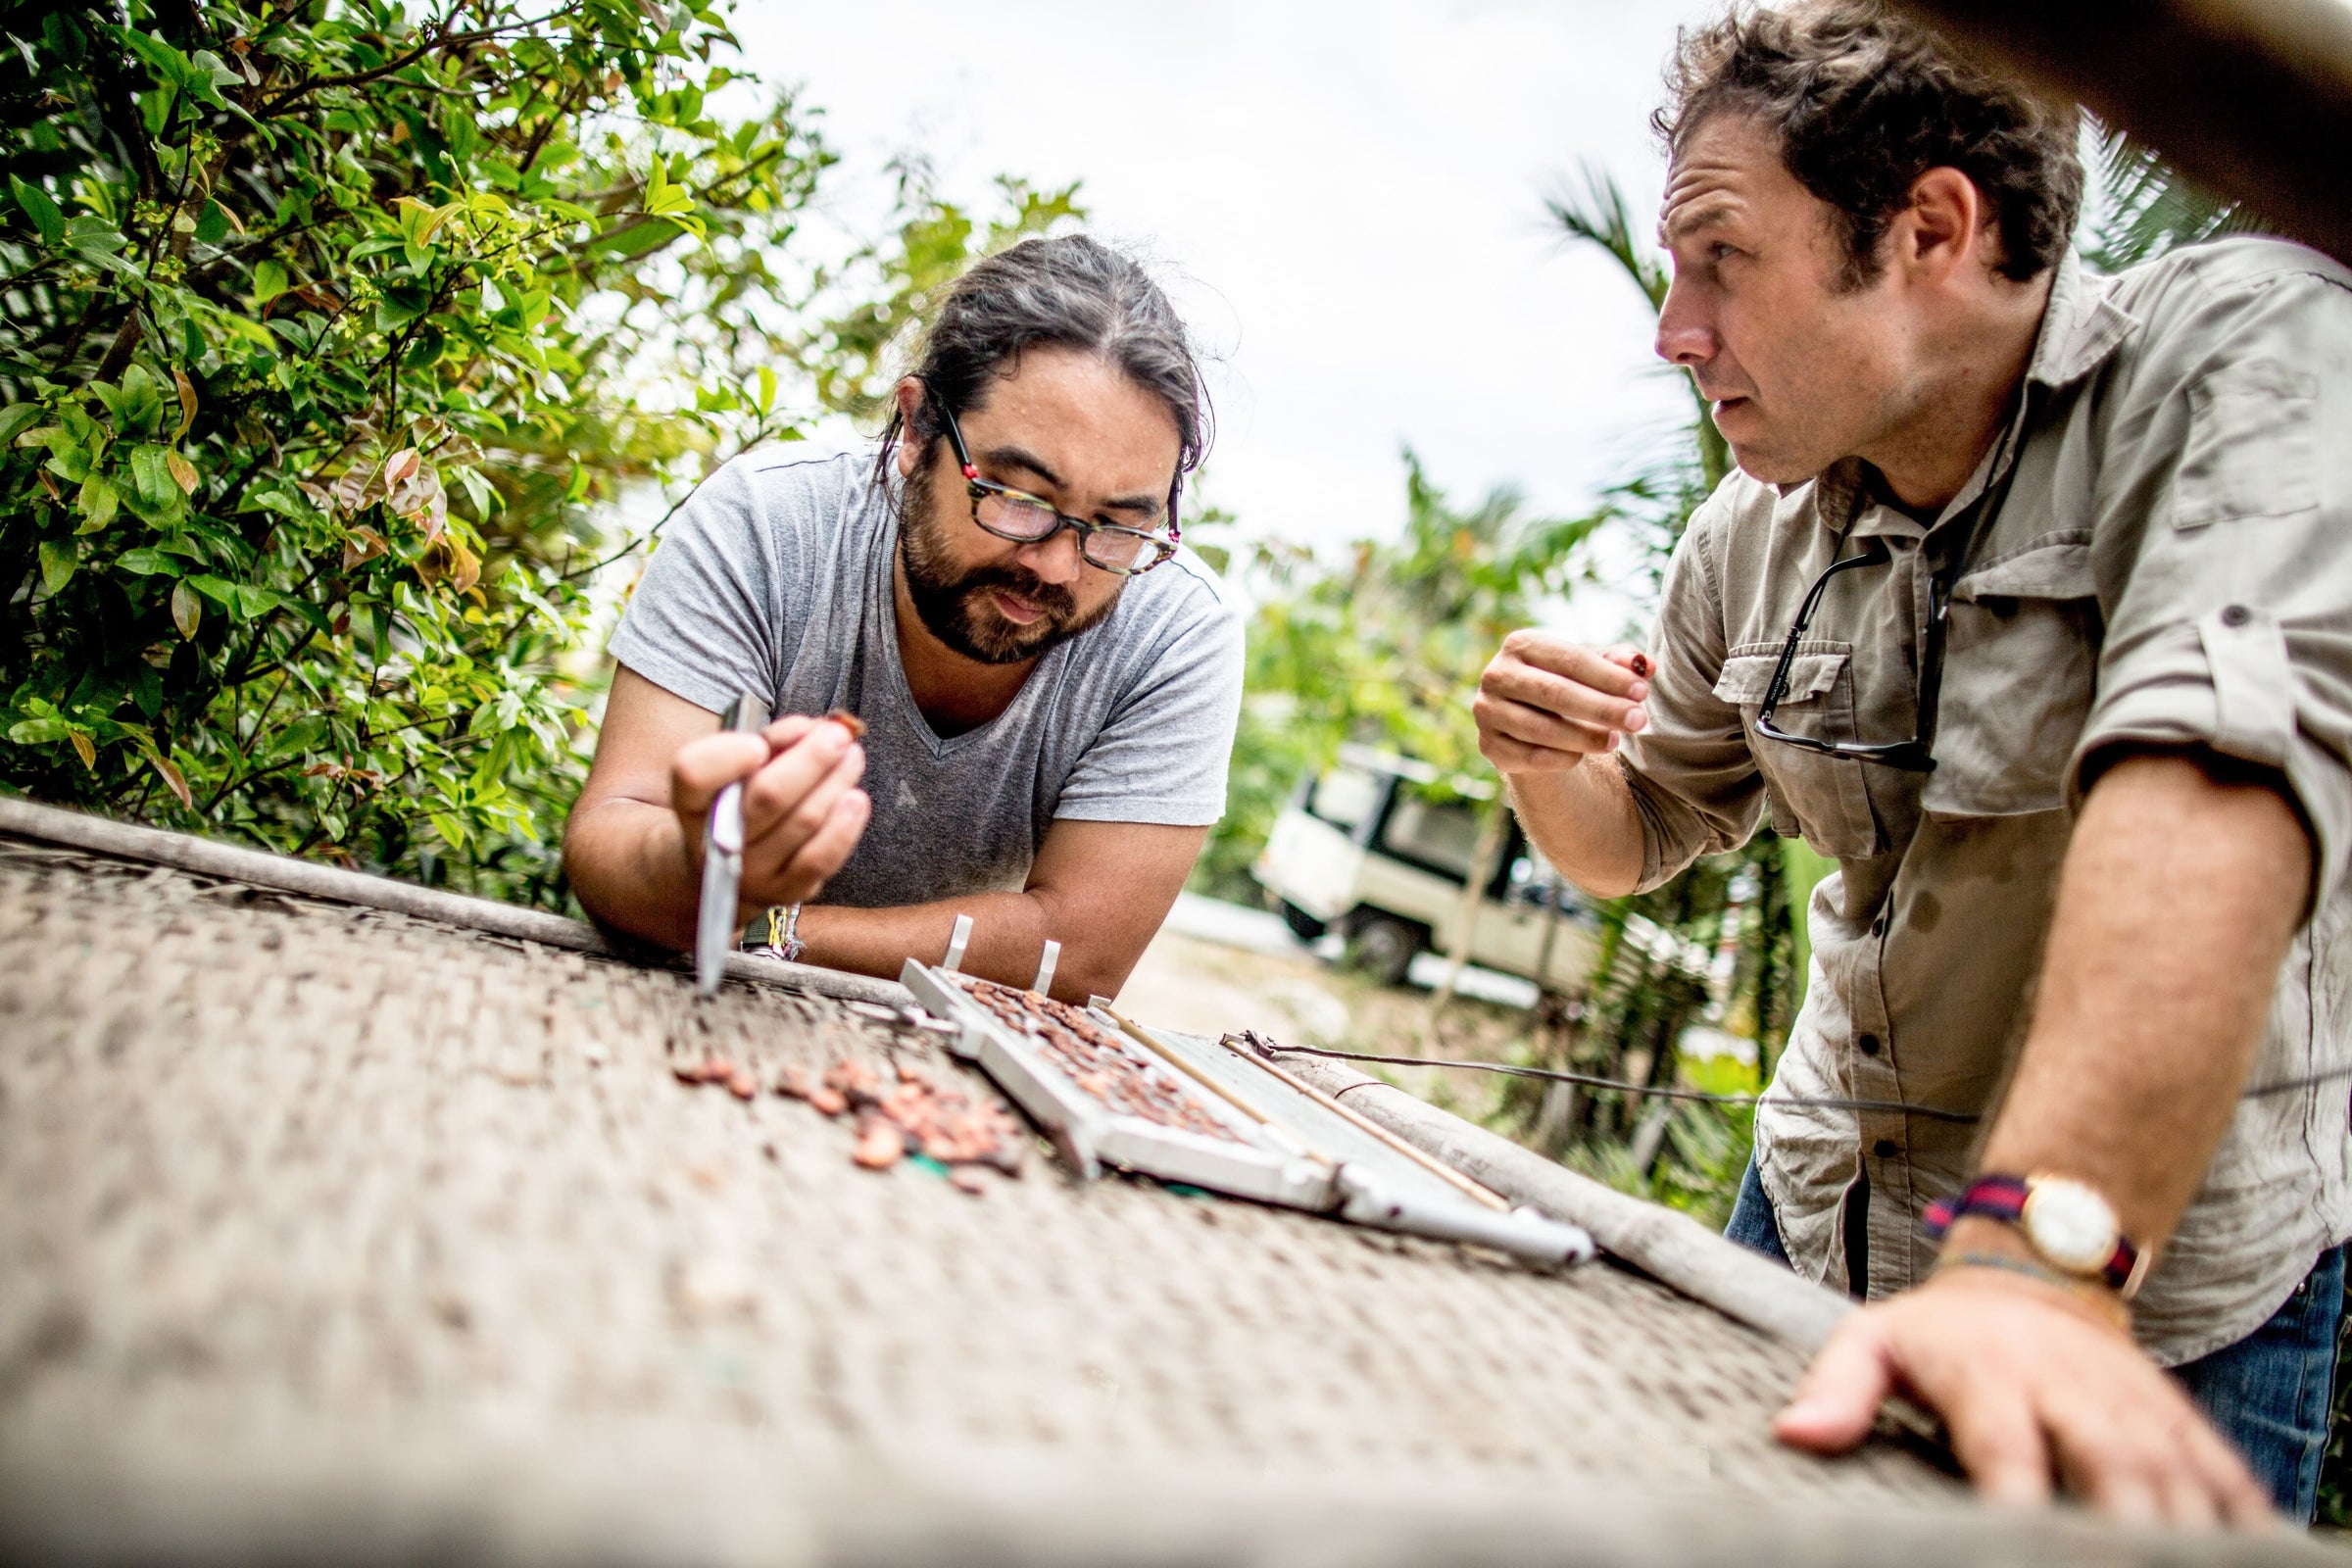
{"x":1305,"y":926}
{"x":1383,"y":949}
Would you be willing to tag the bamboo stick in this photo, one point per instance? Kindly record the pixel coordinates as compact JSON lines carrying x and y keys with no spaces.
{"x":1419,"y":1157}
{"x":233,"y":862}
{"x":1670,"y":1247}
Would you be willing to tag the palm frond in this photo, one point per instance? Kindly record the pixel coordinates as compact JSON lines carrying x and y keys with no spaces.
{"x":1592,"y":208}
{"x":2141,"y":206}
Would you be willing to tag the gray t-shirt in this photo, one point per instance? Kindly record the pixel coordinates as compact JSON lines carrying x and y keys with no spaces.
{"x":775,"y":579}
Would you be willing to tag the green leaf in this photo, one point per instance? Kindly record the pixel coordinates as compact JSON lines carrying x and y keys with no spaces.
{"x":153,"y":478}
{"x":636,"y":238}
{"x":59,"y":558}
{"x":218,"y":74}
{"x":14,"y":418}
{"x":148,"y":562}
{"x":400,"y":305}
{"x":308,"y":611}
{"x":96,"y":503}
{"x":268,"y":281}
{"x":40,"y":208}
{"x":168,"y":62}
{"x":212,"y":224}
{"x":135,"y":406}
{"x":187,"y":611}
{"x":99,"y":243}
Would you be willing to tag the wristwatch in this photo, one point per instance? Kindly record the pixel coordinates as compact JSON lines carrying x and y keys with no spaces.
{"x":2069,"y":1225}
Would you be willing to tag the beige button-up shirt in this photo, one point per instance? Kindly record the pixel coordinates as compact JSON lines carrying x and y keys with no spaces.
{"x":2172,"y":564}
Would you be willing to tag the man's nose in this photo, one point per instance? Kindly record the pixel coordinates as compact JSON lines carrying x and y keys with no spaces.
{"x":1685,"y":334}
{"x":1055,"y":559}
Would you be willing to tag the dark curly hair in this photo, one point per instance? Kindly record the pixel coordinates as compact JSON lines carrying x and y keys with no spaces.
{"x":1070,"y":291}
{"x":1863,"y":102}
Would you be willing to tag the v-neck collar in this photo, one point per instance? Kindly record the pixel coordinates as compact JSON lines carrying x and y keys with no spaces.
{"x":882,"y":604}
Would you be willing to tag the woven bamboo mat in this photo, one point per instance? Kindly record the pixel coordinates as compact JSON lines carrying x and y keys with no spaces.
{"x":301,"y":1197}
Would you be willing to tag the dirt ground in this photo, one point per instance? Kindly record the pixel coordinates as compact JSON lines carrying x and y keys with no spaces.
{"x":1206,"y":987}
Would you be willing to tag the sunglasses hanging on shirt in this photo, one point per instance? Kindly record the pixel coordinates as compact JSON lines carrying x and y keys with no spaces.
{"x":1916,"y":755}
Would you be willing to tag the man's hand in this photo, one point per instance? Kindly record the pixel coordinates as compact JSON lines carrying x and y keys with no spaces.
{"x":2036,"y":1385}
{"x":1546,"y":704}
{"x":803,"y":813}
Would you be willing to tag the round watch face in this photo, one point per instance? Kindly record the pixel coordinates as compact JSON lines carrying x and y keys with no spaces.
{"x":2070,"y":1224}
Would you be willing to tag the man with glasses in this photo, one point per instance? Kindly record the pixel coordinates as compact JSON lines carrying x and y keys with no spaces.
{"x":2032,"y":607}
{"x":1044,"y":682}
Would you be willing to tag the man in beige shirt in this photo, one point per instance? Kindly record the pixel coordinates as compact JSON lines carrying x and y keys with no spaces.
{"x":2032,"y":606}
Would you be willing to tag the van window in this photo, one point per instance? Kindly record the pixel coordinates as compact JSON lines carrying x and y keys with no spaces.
{"x":1443,"y":838}
{"x":1344,"y":796}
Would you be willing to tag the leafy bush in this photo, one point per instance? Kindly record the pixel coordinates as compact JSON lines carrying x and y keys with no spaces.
{"x":331,"y":338}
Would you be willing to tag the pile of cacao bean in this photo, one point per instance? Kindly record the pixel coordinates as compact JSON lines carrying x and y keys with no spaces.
{"x":910,"y":1114}
{"x":1102,"y":1064}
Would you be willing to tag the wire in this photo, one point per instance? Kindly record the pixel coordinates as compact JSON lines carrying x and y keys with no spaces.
{"x":2283,"y":1086}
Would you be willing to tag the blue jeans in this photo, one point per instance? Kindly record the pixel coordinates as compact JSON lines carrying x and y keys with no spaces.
{"x":2268,"y":1393}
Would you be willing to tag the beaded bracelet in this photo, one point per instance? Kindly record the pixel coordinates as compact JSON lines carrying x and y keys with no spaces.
{"x":2088,"y":1291}
{"x":783,"y":933}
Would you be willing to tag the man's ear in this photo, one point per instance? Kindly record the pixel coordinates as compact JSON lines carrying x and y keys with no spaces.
{"x":1941,"y":229}
{"x":910,"y":393}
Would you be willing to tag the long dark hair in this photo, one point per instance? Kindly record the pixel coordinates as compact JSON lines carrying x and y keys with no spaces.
{"x":1068,"y":292}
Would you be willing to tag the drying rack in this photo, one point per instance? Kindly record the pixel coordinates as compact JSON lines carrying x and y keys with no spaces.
{"x":1288,"y":1145}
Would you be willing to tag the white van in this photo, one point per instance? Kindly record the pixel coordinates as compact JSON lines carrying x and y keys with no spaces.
{"x":1370,"y":848}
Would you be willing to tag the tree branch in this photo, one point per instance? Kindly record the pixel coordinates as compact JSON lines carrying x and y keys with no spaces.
{"x":360,"y":79}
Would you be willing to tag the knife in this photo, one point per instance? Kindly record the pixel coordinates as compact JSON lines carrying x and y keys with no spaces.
{"x":718,"y":923}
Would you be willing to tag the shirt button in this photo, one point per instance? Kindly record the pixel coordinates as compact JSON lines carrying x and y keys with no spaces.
{"x":1869,"y":1045}
{"x":2236,"y":616}
{"x":1885,"y":1149}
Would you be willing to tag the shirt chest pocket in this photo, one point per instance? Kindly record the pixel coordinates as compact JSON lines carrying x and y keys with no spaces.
{"x":2021,"y":668}
{"x":1819,"y":799}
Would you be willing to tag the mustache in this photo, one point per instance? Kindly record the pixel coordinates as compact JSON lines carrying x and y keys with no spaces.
{"x":1057,"y":600}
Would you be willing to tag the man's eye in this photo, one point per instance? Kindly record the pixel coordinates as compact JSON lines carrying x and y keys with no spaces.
{"x":1720,"y":252}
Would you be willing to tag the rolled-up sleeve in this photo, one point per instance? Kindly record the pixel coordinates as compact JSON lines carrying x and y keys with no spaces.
{"x":1693,"y":780}
{"x":2223,"y":548}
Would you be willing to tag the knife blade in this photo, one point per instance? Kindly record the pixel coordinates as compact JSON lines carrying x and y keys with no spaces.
{"x":718,"y":921}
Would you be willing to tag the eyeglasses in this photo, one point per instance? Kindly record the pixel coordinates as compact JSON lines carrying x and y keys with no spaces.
{"x":1029,"y":520}
{"x":1914,"y":756}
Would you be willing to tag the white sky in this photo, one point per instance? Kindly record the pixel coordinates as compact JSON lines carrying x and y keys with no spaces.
{"x":1349,"y":197}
